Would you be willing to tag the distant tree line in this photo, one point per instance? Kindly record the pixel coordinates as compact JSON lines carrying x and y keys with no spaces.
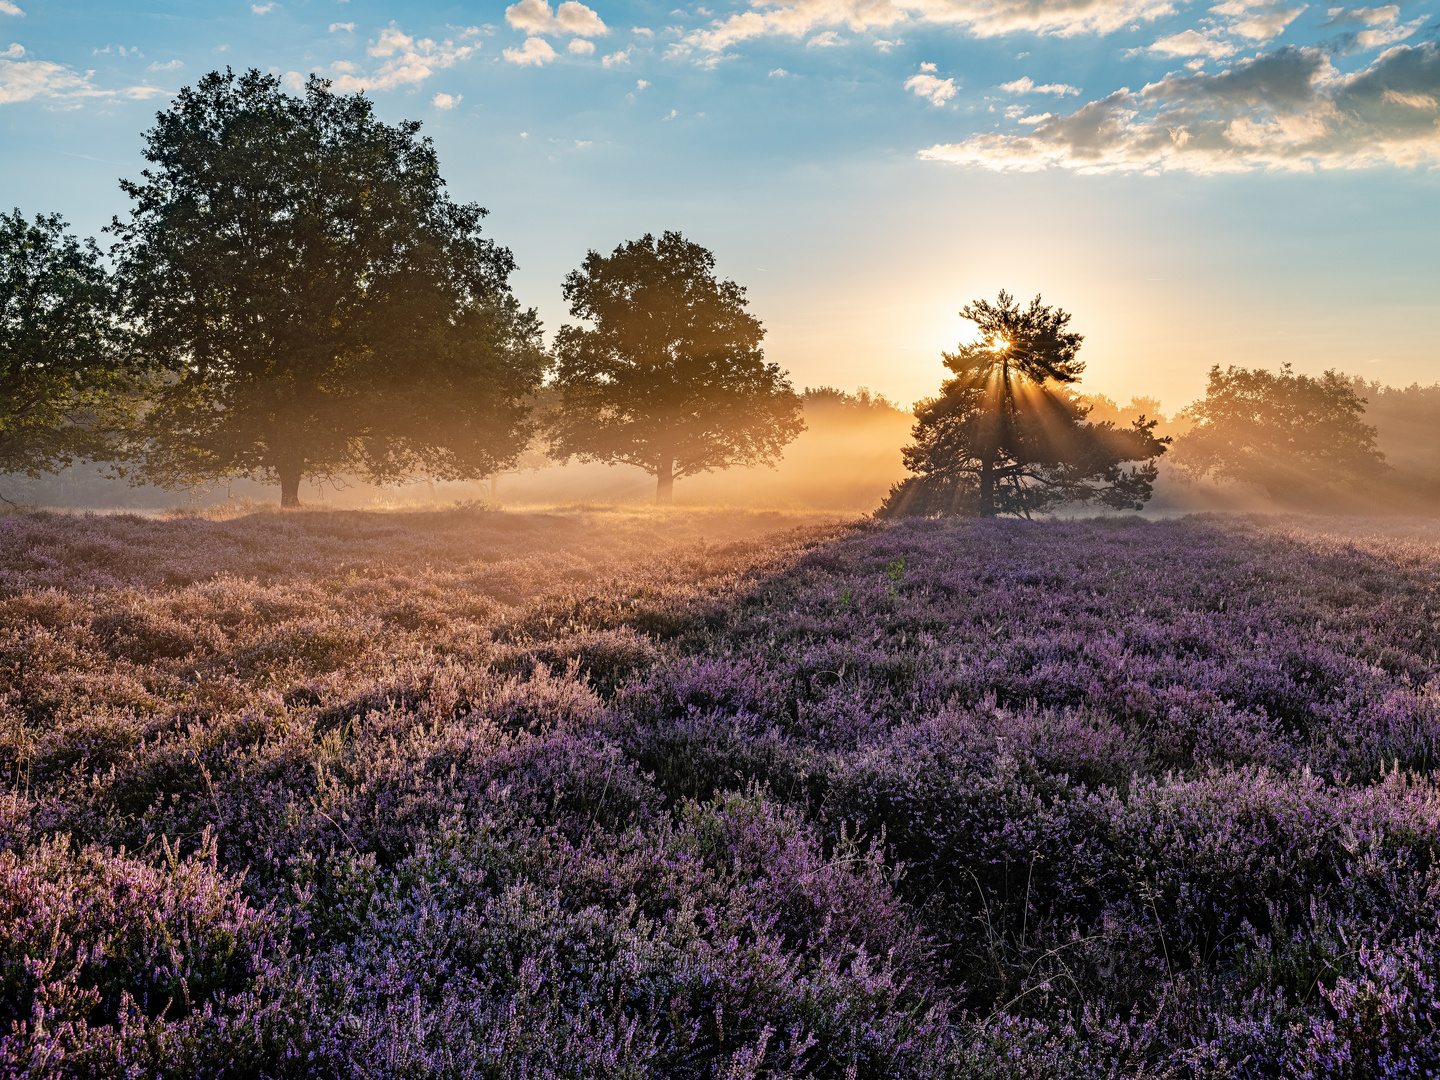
{"x":294,"y":296}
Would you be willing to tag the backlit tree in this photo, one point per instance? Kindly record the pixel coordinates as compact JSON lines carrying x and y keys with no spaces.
{"x":1005,"y":436}
{"x":1293,"y":436}
{"x":670,"y":375}
{"x":322,"y":305}
{"x":67,"y":378}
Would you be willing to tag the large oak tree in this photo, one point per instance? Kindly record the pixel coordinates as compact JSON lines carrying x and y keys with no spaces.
{"x":67,"y":377}
{"x":670,"y":375}
{"x":323,"y":306}
{"x":1006,"y":436}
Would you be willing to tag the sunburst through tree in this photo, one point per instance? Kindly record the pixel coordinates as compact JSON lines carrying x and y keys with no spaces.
{"x":1005,"y":435}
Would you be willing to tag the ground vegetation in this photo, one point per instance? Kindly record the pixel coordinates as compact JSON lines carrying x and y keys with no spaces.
{"x":588,"y":794}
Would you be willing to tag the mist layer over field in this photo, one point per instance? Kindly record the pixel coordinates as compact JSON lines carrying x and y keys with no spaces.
{"x":689,"y":794}
{"x":846,"y":460}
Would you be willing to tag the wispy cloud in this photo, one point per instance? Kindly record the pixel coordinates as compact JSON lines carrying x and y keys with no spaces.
{"x":1192,"y":43}
{"x":1286,"y":109}
{"x":348,"y":27}
{"x":1027,"y":85}
{"x":620,"y":57}
{"x":7,"y":8}
{"x":572,"y":17}
{"x":44,"y":80}
{"x":262,"y":9}
{"x":168,"y":65}
{"x":983,"y":18}
{"x":1257,"y":22}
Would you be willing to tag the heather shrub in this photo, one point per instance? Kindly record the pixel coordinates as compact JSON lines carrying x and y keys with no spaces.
{"x":472,"y":794}
{"x":90,"y":935}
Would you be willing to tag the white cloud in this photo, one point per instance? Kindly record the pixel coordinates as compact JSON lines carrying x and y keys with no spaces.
{"x":936,"y":91}
{"x":293,"y":81}
{"x":536,"y":51}
{"x":928,"y":67}
{"x":642,"y":31}
{"x":670,"y":115}
{"x":983,"y":18}
{"x":778,"y":73}
{"x":1192,"y":43}
{"x":1265,"y":25}
{"x":169,"y":65}
{"x":824,"y":41}
{"x":407,"y":61}
{"x":580,"y":47}
{"x":14,"y":52}
{"x":348,"y":27}
{"x":641,"y":84}
{"x":446,"y":101}
{"x":620,"y":57}
{"x":572,"y":17}
{"x":1286,"y":109}
{"x":1026,"y":85}
{"x":1382,"y":27}
{"x":1425,"y":102}
{"x":30,"y":80}
{"x":262,"y":9}
{"x":1376,"y":16}
{"x":7,"y":8}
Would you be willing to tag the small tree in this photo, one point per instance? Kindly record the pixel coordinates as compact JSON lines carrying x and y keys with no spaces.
{"x":1292,"y":436}
{"x":1006,"y":437}
{"x":66,"y":378}
{"x":322,"y":305}
{"x":671,"y":377}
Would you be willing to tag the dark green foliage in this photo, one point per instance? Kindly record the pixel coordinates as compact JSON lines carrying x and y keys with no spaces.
{"x":323,"y":305}
{"x":1292,"y":436}
{"x":671,"y":377}
{"x":1005,"y":437}
{"x":66,"y":379}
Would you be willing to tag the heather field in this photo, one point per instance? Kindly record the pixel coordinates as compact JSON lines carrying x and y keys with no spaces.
{"x":685,"y":794}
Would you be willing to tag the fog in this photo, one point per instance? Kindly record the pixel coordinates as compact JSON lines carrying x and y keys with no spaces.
{"x":844,"y":462}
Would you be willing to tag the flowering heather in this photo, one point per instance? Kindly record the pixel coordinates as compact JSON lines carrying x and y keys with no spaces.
{"x":596,"y":794}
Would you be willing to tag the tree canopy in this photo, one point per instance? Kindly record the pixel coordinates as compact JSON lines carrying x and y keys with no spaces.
{"x":1293,"y":436}
{"x":670,"y":375}
{"x":66,"y":375}
{"x":1006,"y":436}
{"x":322,"y":305}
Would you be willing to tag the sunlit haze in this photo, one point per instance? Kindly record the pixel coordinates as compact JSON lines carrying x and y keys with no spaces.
{"x":1265,"y":191}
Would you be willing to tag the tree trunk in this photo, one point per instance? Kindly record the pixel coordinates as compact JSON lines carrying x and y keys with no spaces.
{"x":987,"y":486}
{"x":290,"y":486}
{"x":665,"y":481}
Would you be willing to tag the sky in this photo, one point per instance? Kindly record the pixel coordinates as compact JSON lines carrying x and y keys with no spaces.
{"x":1253,"y":182}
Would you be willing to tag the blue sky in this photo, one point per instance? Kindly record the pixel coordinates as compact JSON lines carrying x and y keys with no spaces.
{"x":1235,"y":182}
